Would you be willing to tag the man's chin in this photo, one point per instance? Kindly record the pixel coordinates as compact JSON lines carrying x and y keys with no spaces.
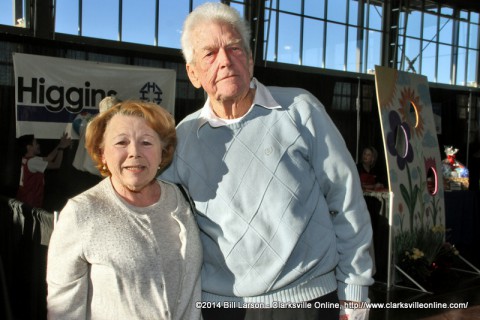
{"x":230,"y":92}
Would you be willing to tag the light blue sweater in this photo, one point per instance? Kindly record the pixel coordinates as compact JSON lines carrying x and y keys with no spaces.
{"x":279,"y":203}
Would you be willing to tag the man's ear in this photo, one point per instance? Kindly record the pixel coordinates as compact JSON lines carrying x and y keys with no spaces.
{"x":192,"y":75}
{"x":250,"y":65}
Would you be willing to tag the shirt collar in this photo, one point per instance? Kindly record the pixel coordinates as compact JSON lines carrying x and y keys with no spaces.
{"x":263,"y":98}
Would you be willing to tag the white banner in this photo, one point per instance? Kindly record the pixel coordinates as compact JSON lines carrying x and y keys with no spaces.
{"x":50,"y":93}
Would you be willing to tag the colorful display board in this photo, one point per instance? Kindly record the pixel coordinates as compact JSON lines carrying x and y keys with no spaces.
{"x":414,"y":167}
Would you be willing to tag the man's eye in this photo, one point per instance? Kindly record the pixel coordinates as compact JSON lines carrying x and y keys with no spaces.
{"x":236,"y":49}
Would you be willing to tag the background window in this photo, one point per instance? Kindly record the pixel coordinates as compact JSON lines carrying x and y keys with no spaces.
{"x":335,"y":47}
{"x":105,"y":11}
{"x":138,"y":21}
{"x":288,"y":38}
{"x":341,"y":35}
{"x":313,"y":43}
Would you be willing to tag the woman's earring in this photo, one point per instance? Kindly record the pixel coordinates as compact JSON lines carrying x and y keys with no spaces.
{"x":104,"y":168}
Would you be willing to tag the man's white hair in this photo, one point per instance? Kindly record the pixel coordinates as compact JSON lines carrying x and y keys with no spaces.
{"x":212,"y":12}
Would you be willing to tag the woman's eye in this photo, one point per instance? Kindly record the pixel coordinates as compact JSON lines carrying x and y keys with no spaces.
{"x":146,"y":143}
{"x":121,"y":143}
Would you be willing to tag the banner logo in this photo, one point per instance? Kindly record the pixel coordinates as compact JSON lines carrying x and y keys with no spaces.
{"x":151,"y":92}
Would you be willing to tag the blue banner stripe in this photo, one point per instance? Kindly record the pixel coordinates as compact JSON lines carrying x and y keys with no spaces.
{"x":42,"y":114}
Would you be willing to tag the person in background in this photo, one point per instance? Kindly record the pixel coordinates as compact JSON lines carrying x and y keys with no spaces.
{"x":369,"y":177}
{"x":128,"y":248}
{"x":32,"y":172}
{"x":278,"y":199}
{"x":82,"y":161}
{"x":372,"y":180}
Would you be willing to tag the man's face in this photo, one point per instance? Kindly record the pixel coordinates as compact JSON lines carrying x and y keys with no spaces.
{"x":221,"y":66}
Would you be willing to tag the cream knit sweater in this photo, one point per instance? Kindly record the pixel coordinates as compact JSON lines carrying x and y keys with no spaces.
{"x":110,"y":260}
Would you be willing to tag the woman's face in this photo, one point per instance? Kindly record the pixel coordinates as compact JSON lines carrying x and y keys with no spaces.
{"x":367,"y":157}
{"x":132,"y":152}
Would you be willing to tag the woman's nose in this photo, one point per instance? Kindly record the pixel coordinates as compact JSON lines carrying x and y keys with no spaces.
{"x":133,"y":150}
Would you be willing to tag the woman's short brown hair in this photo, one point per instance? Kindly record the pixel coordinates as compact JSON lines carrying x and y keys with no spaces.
{"x":159,"y":119}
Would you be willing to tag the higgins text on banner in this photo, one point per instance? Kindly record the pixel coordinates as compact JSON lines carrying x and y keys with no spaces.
{"x":50,"y":93}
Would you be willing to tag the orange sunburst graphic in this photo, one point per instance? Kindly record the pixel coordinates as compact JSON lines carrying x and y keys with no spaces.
{"x":411,"y":110}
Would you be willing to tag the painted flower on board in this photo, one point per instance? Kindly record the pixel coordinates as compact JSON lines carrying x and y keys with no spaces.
{"x":398,"y":140}
{"x":411,"y":109}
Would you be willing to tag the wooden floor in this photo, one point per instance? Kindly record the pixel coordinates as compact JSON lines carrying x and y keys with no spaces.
{"x":463,"y":289}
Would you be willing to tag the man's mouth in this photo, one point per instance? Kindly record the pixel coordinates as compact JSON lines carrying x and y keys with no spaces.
{"x":227,"y":77}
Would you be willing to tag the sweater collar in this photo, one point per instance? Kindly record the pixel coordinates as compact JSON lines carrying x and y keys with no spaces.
{"x":263,"y":98}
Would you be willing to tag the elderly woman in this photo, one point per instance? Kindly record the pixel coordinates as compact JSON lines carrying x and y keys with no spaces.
{"x":128,"y":248}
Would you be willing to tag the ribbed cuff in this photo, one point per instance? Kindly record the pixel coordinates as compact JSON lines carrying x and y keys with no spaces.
{"x":302,"y":292}
{"x":352,"y":292}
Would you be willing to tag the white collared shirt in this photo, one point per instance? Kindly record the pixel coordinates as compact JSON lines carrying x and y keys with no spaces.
{"x":262,"y":98}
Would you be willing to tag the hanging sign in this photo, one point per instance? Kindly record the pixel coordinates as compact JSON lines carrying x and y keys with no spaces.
{"x":50,"y":93}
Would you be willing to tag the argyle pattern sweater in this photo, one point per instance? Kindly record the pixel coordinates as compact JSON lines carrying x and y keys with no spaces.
{"x":279,"y":203}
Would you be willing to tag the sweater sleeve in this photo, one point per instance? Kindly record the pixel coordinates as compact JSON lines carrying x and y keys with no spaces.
{"x":340,"y":184}
{"x":67,"y":270}
{"x":169,"y":174}
{"x":37,"y":164}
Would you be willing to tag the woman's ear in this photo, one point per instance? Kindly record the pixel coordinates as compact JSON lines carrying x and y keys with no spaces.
{"x":102,"y":156}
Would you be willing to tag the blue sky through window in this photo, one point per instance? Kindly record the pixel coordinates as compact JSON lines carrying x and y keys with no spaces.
{"x":330,"y":38}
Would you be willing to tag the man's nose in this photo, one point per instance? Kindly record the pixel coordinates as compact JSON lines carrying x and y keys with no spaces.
{"x":224,"y":57}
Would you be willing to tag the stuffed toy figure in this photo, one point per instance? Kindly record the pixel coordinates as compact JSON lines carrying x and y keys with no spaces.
{"x":452,"y":168}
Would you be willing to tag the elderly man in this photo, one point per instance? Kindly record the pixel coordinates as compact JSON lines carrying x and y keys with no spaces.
{"x":279,"y":203}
